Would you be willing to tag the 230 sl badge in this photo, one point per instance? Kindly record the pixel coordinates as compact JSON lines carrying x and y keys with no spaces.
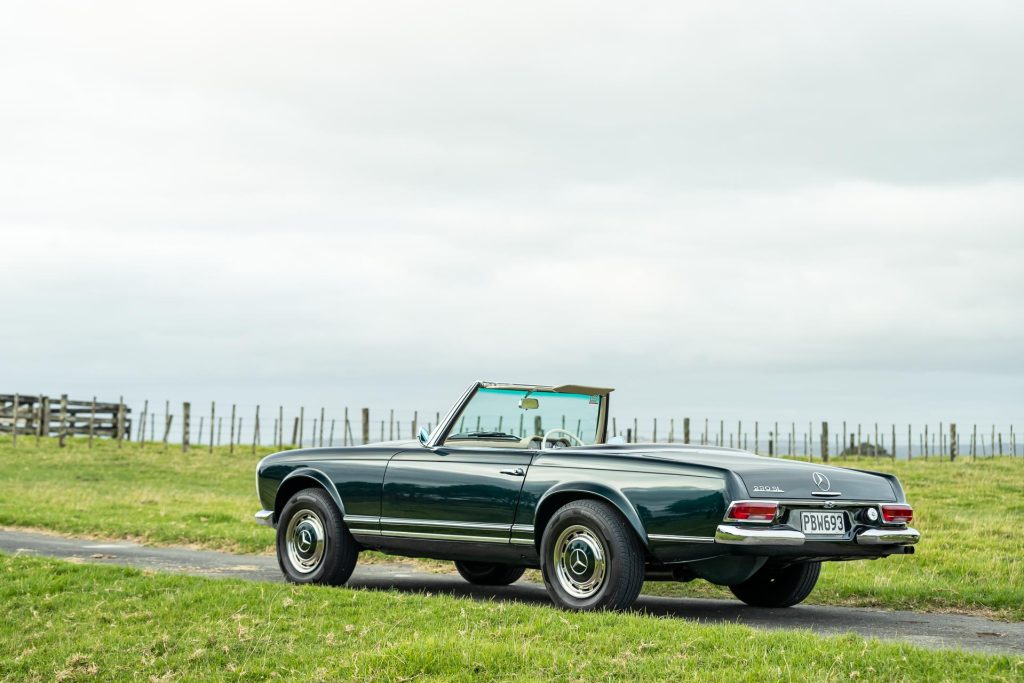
{"x":768,"y":489}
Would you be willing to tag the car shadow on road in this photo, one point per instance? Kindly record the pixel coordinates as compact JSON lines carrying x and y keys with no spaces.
{"x":692,"y":609}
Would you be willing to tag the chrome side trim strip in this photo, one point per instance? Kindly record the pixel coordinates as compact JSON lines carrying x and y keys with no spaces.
{"x":669,"y":538}
{"x":356,"y":524}
{"x":522,"y":541}
{"x":906,"y":536}
{"x":523,"y":528}
{"x":483,"y":526}
{"x":733,"y":535}
{"x":265,"y":518}
{"x":445,"y":537}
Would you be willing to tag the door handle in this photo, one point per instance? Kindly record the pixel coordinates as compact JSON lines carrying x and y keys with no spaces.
{"x":517,"y":472}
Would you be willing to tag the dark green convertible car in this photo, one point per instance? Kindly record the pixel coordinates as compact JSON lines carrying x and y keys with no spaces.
{"x":519,"y":476}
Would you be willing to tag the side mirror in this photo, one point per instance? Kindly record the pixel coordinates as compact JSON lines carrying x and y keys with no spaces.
{"x":423,"y":435}
{"x":529,"y":403}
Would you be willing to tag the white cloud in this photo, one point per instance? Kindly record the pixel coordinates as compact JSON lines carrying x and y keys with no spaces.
{"x":381,"y":198}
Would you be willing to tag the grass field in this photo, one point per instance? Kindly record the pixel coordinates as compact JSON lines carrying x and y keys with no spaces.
{"x":971,"y":558}
{"x":70,"y":622}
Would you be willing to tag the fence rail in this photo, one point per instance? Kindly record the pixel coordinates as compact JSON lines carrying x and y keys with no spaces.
{"x":191,"y":427}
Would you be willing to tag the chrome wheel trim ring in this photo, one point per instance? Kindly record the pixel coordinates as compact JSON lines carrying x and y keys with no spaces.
{"x":305,"y":541}
{"x":580,"y":560}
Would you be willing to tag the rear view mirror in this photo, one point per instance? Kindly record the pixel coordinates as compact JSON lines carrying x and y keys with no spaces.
{"x":529,"y":403}
{"x":423,"y":435}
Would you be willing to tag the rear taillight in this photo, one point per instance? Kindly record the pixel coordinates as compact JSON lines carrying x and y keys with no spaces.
{"x":752,"y":511}
{"x":897,"y":514}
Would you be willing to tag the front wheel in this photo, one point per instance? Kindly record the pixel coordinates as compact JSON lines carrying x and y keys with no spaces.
{"x":591,"y":559}
{"x":313,"y":544}
{"x":487,"y":574}
{"x":778,"y":586}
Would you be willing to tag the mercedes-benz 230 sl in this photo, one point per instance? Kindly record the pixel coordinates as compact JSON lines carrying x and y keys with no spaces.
{"x":518,"y":476}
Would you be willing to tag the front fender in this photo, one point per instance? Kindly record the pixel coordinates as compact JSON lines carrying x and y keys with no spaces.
{"x":298,"y":479}
{"x":561,"y":493}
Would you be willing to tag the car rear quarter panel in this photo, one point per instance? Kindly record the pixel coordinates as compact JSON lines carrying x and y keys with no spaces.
{"x":663,"y":499}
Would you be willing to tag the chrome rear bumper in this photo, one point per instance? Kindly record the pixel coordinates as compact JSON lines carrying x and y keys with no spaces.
{"x":906,"y":536}
{"x":731,"y":534}
{"x":736,"y":535}
{"x":265,"y":517}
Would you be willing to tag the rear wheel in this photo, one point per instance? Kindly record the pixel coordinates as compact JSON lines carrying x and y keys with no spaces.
{"x":590,"y":558}
{"x":313,"y":544}
{"x":778,"y":586}
{"x":487,"y":574}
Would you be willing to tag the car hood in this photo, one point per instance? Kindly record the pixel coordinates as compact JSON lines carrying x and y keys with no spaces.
{"x":775,"y":478}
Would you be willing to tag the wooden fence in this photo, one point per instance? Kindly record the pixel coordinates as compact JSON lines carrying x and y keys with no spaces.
{"x":252,"y":426}
{"x":63,"y":417}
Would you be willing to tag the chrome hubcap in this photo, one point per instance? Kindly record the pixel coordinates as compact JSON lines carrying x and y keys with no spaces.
{"x":306,"y":541}
{"x":580,"y":561}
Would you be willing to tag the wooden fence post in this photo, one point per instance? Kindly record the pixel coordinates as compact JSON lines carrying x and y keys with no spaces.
{"x":199,"y":432}
{"x":346,"y":431}
{"x":231,"y":432}
{"x":824,"y":441}
{"x":757,"y":447}
{"x":415,"y":423}
{"x":953,"y":443}
{"x":256,"y":430}
{"x":330,"y":439}
{"x":302,"y":424}
{"x":366,"y":425}
{"x":186,"y":409}
{"x":321,"y":444}
{"x":213,"y":416}
{"x":14,"y":423}
{"x":44,"y":419}
{"x":295,"y":432}
{"x":894,"y":442}
{"x":168,"y":419}
{"x":63,"y":419}
{"x":142,"y":430}
{"x":120,"y":421}
{"x":686,"y":430}
{"x":654,"y":431}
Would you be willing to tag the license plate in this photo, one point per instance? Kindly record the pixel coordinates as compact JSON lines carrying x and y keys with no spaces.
{"x":823,"y":523}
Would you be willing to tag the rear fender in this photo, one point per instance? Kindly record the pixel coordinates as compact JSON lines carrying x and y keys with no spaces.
{"x":558,"y":495}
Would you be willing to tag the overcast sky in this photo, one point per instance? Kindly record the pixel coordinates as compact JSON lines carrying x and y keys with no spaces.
{"x":772,"y":211}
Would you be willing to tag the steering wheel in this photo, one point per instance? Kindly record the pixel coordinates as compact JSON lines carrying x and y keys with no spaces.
{"x":544,"y":441}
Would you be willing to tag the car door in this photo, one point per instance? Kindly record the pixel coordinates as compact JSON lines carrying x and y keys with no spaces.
{"x":460,"y":493}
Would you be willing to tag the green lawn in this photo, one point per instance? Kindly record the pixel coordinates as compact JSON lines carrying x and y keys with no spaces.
{"x":971,"y":558}
{"x":70,"y":622}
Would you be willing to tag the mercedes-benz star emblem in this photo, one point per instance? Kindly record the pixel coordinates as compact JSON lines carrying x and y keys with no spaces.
{"x":821,"y":481}
{"x":305,"y":540}
{"x":578,"y":561}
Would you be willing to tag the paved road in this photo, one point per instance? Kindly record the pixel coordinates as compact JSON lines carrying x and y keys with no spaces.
{"x":928,"y":630}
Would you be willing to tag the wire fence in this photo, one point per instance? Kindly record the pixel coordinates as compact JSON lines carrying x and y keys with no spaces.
{"x":188,"y":425}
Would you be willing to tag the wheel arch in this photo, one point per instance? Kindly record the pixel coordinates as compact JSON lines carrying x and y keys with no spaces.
{"x":304,"y":478}
{"x":564,"y":493}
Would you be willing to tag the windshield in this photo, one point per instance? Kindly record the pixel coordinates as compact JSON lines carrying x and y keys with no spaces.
{"x":515,"y":416}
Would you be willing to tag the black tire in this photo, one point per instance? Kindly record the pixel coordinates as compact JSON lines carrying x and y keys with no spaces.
{"x":574,"y":528}
{"x":304,"y":511}
{"x":487,"y":574}
{"x":778,"y":586}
